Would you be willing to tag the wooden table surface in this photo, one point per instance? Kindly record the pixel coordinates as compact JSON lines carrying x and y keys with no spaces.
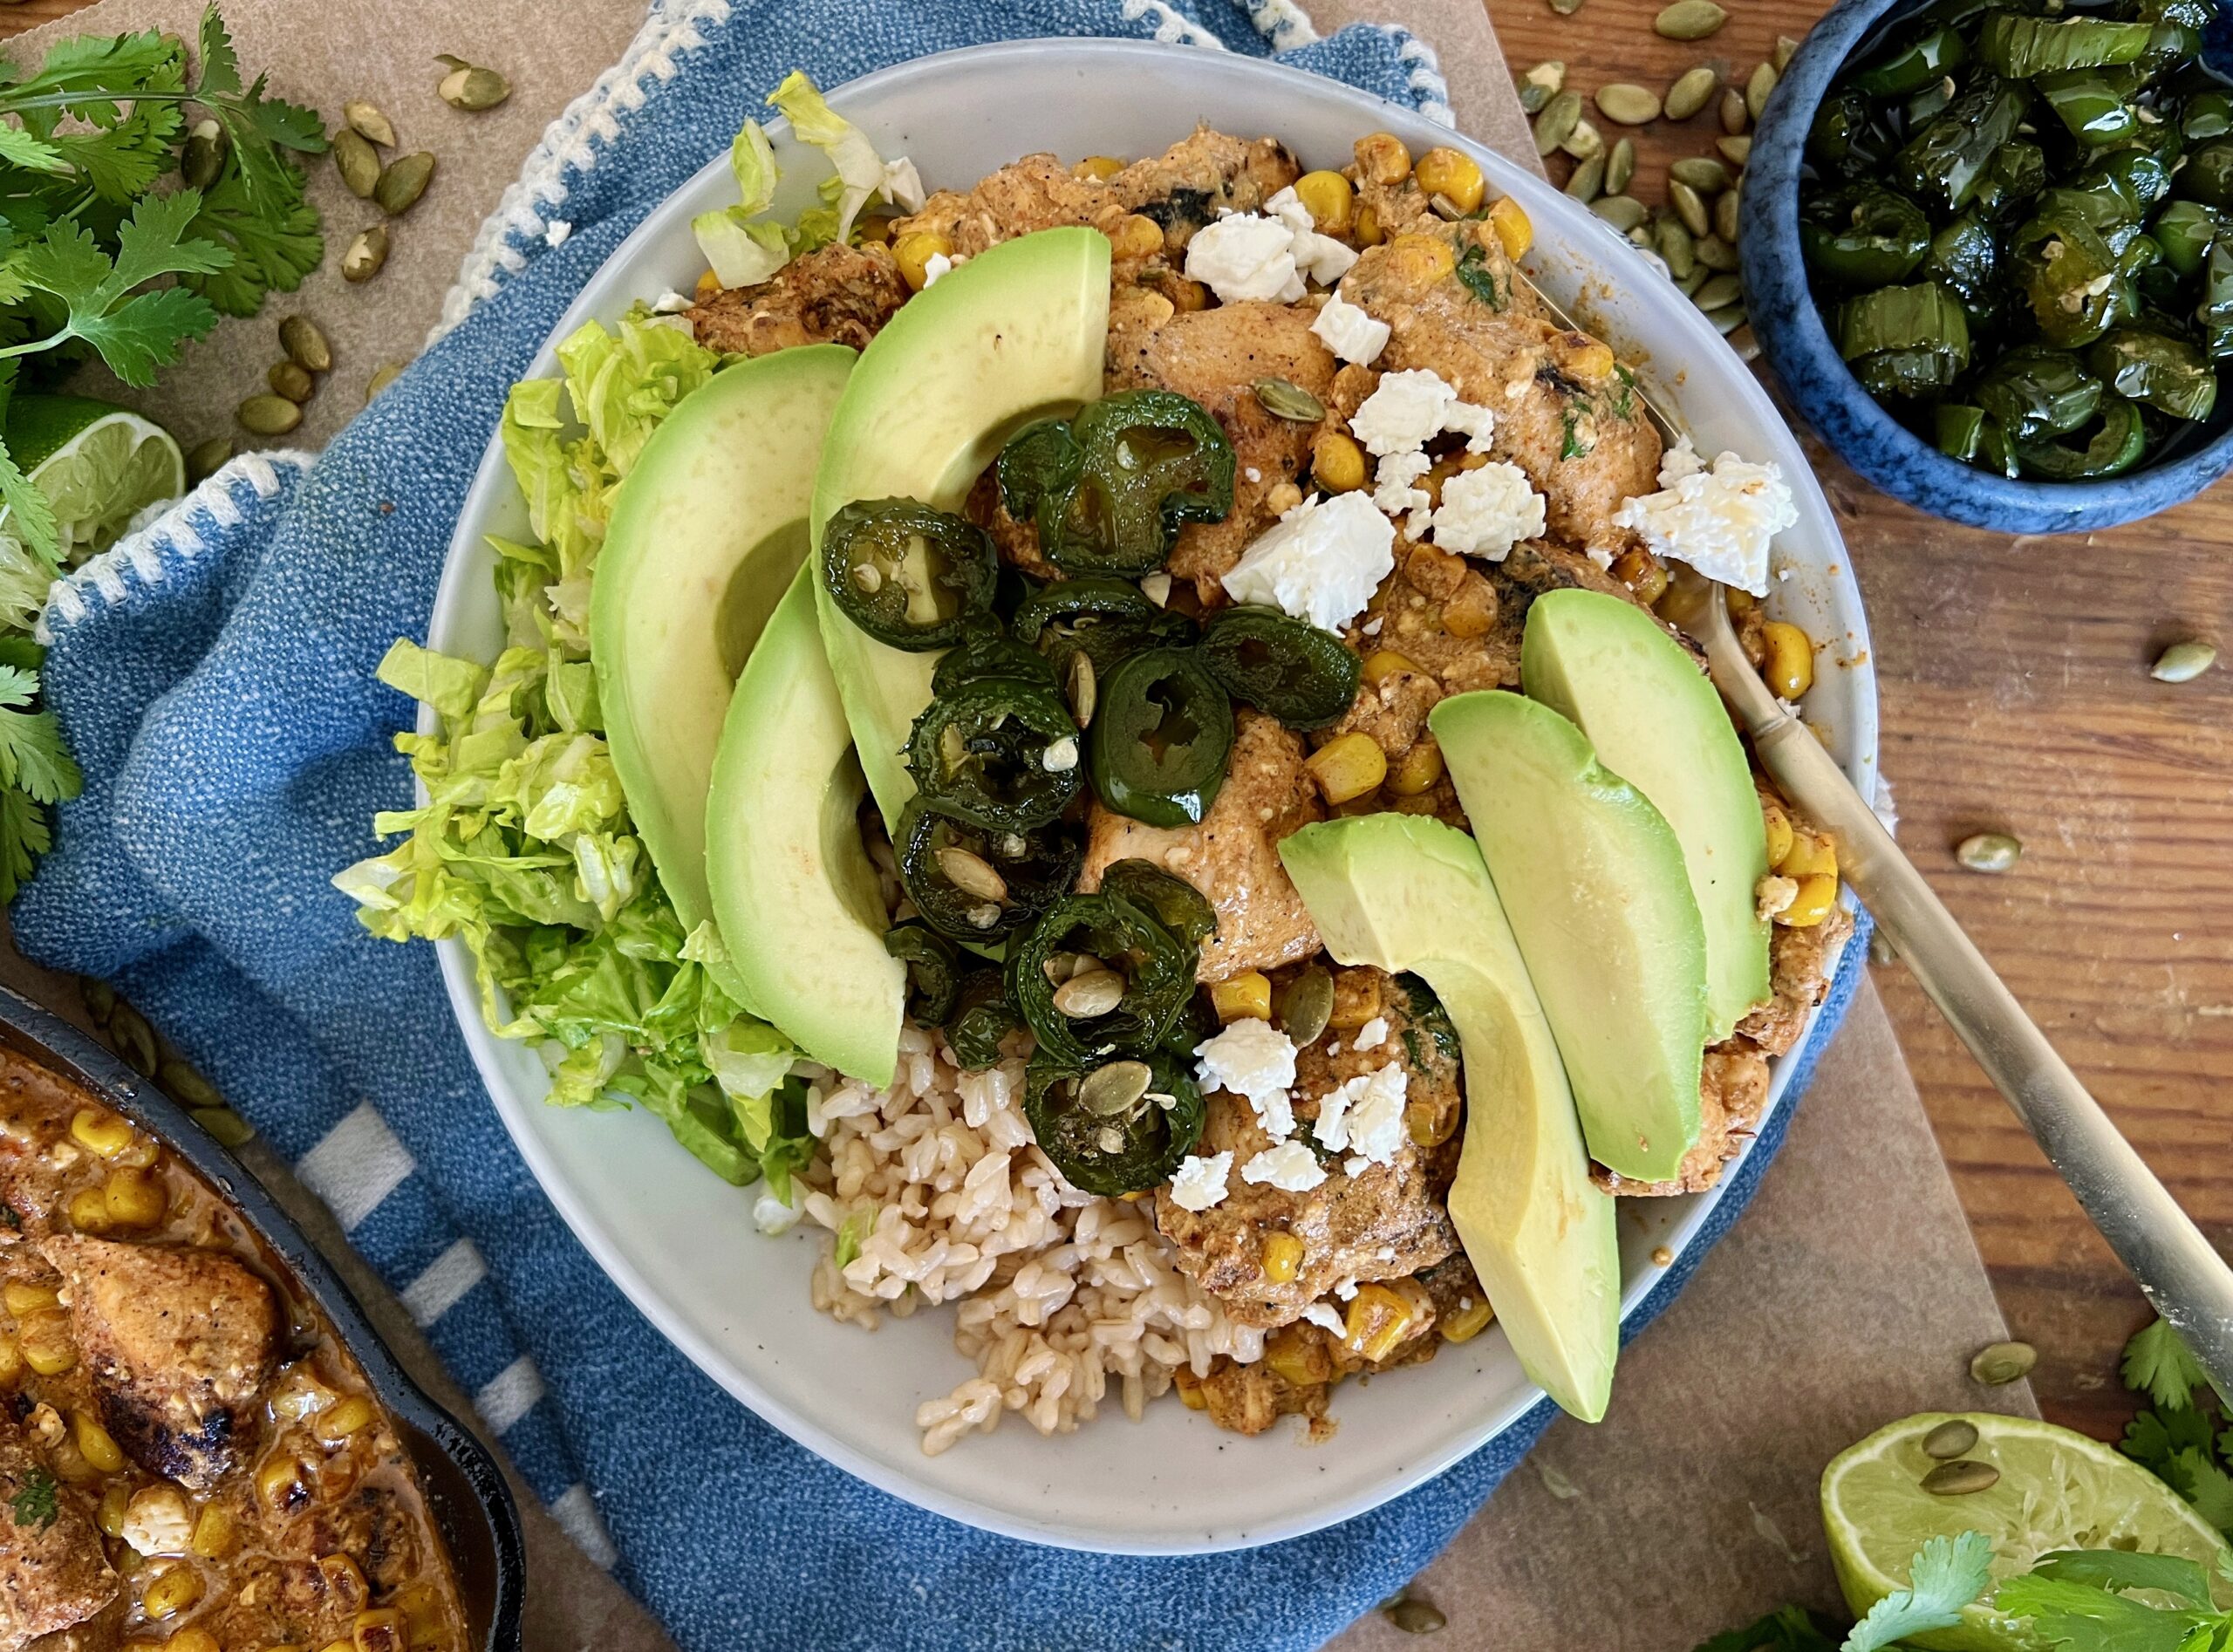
{"x":2016,"y":697}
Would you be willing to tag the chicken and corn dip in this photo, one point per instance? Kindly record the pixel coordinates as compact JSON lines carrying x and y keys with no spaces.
{"x":189,"y":1459}
{"x":1341,"y":449}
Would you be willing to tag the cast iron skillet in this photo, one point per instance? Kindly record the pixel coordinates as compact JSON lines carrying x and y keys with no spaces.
{"x":471,"y":1506}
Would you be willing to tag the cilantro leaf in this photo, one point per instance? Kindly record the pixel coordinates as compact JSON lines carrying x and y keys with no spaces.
{"x":121,"y":163}
{"x":30,"y":516}
{"x":2154,"y":1439}
{"x":89,"y":78}
{"x":138,"y":333}
{"x":1479,"y":279}
{"x":1946,"y":1575}
{"x":31,"y":755}
{"x":20,"y":148}
{"x":2196,"y":1476}
{"x":274,"y":240}
{"x":221,"y":65}
{"x":36,"y":1503}
{"x":10,"y":1217}
{"x":1793,"y":1629}
{"x":2158,"y":1362}
{"x":2118,"y":1570}
{"x":23,"y":838}
{"x":2068,"y":1613}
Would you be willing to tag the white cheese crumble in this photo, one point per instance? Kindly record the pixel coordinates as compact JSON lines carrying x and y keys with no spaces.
{"x":1350,"y":331}
{"x":1395,"y":489}
{"x":671,"y":302}
{"x":556,"y":231}
{"x":1720,"y":519}
{"x":934,"y":266}
{"x":1200,"y":1181}
{"x":1061,"y":756}
{"x":1326,"y":1319}
{"x":1320,"y":562}
{"x":771,"y":1216}
{"x":1346,"y":1290}
{"x":1323,"y":258}
{"x":1486,"y":511}
{"x":1245,"y":256}
{"x":1366,"y":1114}
{"x":1373,"y":1033}
{"x":1255,"y":1060}
{"x":1409,"y":409}
{"x":158,"y":1521}
{"x":1290,"y":1167}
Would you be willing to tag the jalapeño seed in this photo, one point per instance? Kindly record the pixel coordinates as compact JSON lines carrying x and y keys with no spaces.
{"x":305,"y":344}
{"x":1988,"y":852}
{"x":205,"y":459}
{"x":402,"y":181}
{"x":1557,"y":121}
{"x":1690,"y":206}
{"x":1757,"y":88}
{"x":357,"y":161}
{"x":1624,"y":213}
{"x":269,"y":415}
{"x":1291,"y":401}
{"x":183,"y":1083}
{"x":1733,"y":112}
{"x":368,"y":123}
{"x":972,"y":874}
{"x":2003,"y":1362}
{"x":1627,"y":105}
{"x":1107,"y":1091}
{"x":2183,"y":662}
{"x":1416,"y":1617}
{"x":1692,"y":90}
{"x":1949,"y":1439}
{"x":1961,"y":1477}
{"x":1620,"y":166}
{"x":1736,"y":148}
{"x":292,"y":380}
{"x":1307,"y":1005}
{"x":474,"y":89}
{"x":1703,"y":173}
{"x":1725,"y":211}
{"x":1083,"y":692}
{"x":1587,"y":181}
{"x":367,"y":254}
{"x":1689,"y":20}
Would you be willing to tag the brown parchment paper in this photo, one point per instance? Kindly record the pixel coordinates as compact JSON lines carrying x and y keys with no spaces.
{"x":1850,"y":1293}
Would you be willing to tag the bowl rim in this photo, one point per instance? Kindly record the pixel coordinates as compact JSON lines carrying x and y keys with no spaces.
{"x":1580,"y":237}
{"x":37,"y":1033}
{"x":1796,"y":344}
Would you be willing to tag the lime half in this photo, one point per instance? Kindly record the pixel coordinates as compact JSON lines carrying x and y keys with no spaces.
{"x":99,"y":464}
{"x":2057,"y":1490}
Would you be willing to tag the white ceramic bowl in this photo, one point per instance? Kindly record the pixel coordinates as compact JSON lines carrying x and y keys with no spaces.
{"x":682,"y":1244}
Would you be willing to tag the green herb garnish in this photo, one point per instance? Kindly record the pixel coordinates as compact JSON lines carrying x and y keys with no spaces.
{"x":1481,"y":280}
{"x":36,"y":1503}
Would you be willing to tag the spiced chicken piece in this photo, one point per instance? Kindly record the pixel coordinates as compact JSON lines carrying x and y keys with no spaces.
{"x":833,"y":295}
{"x":53,"y":1574}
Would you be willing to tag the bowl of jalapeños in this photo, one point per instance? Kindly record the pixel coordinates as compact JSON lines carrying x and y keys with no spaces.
{"x":1989,"y":254}
{"x":969,"y":746}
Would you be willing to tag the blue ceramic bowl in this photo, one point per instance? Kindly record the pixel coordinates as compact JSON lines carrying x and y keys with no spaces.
{"x":1796,"y":344}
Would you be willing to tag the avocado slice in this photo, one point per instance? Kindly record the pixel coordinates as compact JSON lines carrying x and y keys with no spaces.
{"x":793,"y":889}
{"x":1012,"y":335}
{"x":1405,"y":892}
{"x":1611,"y":669}
{"x":707,"y":532}
{"x":1592,"y":876}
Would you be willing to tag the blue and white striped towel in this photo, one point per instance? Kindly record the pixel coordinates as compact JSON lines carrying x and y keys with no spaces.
{"x":215,"y":676}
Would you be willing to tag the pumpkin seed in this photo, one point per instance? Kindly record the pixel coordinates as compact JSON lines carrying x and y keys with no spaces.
{"x":1785,"y":47}
{"x":1584,"y":141}
{"x":357,"y":161}
{"x":1541,"y":84}
{"x":1736,"y":148}
{"x":1627,"y":104}
{"x":1734,"y":114}
{"x":1557,"y":121}
{"x":1688,"y":284}
{"x":1620,"y":166}
{"x":1691,"y":90}
{"x":269,"y":415}
{"x":1565,"y":8}
{"x":100,"y":998}
{"x":2003,"y":1362}
{"x":1988,"y":852}
{"x":1745,"y":344}
{"x":1729,"y":318}
{"x":972,"y":874}
{"x":1692,"y":206}
{"x":1624,"y":213}
{"x":1720,"y":292}
{"x":1416,"y":1617}
{"x":204,"y":155}
{"x":1587,"y":181}
{"x":402,"y":181}
{"x":1283,"y":399}
{"x":1084,"y":996}
{"x":368,"y":123}
{"x":300,"y":337}
{"x":1949,"y":1439}
{"x":134,"y":1039}
{"x":228,"y":1127}
{"x":1117,"y":1087}
{"x":1307,"y":1005}
{"x":473,"y":89}
{"x":1083,"y":688}
{"x":182,"y":1083}
{"x":1703,"y":173}
{"x":1756,"y":89}
{"x":383,"y":376}
{"x":1717,"y":254}
{"x":1640,"y":237}
{"x":366,"y":255}
{"x":1676,"y":246}
{"x":1725,"y":211}
{"x":2183,"y":662}
{"x":206,"y":459}
{"x":1961,"y":1478}
{"x":292,"y":380}
{"x":1689,"y":20}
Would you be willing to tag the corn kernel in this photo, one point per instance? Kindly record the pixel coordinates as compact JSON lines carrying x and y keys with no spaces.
{"x":1357,"y":998}
{"x":338,"y":1646}
{"x":1429,"y":1125}
{"x":379,"y":1630}
{"x":89,"y":1211}
{"x":280,"y":1482}
{"x":1467,"y":1321}
{"x":214,"y":1532}
{"x":1378,"y":1318}
{"x":340,"y":1422}
{"x":1780,"y":837}
{"x":23,"y":1300}
{"x":1642,"y":573}
{"x":135,"y":1198}
{"x":913,"y":253}
{"x":1296,"y":1355}
{"x":1810,"y":854}
{"x":1188,"y":296}
{"x":1369,"y":233}
{"x":1741,"y":603}
{"x":708,"y":284}
{"x":69,"y":1465}
{"x":424,"y":1611}
{"x":1471,"y":610}
{"x":1347,"y":767}
{"x":1509,"y":219}
{"x":1383,"y":663}
{"x":1382,"y":158}
{"x":192,"y":1640}
{"x":1099,"y":168}
{"x":12,"y":1360}
{"x":1331,"y":199}
{"x":1190,"y":1388}
{"x":100,"y":1132}
{"x":1418,"y":769}
{"x":48,"y":1348}
{"x":1282,"y":1258}
{"x":114,"y":1501}
{"x":1445,"y":172}
{"x":1244,"y":997}
{"x":1137,"y":235}
{"x":176,"y":1590}
{"x":873,"y":230}
{"x":1421,"y":259}
{"x":1591,"y":363}
{"x":1337,"y":463}
{"x":1791,"y":659}
{"x":96,"y":1443}
{"x":345,"y":1581}
{"x":1818,"y":892}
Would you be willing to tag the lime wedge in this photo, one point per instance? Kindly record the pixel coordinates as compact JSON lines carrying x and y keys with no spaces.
{"x":98,"y":466}
{"x":2057,"y":1490}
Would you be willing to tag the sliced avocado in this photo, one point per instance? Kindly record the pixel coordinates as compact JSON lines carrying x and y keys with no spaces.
{"x":792,"y":888}
{"x":1656,"y":721}
{"x":1011,"y":335}
{"x":707,"y":532}
{"x":1405,"y":892}
{"x":1592,"y":876}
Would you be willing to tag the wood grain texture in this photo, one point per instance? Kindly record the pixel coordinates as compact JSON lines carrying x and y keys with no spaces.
{"x":2016,"y":697}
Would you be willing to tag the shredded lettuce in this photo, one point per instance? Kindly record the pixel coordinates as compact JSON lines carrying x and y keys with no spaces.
{"x":524,"y":849}
{"x":742,"y":253}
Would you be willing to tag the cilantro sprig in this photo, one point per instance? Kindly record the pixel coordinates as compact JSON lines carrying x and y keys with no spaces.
{"x":37,"y":1501}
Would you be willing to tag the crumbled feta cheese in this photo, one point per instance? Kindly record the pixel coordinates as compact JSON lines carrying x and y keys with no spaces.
{"x":1157,"y":589}
{"x":671,"y":302}
{"x":1275,"y":1112}
{"x":1395,"y":489}
{"x":1372,"y":626}
{"x":1356,"y":1164}
{"x":1200,"y":1181}
{"x":1254,"y":1059}
{"x":1061,"y":756}
{"x":1365,"y":1113}
{"x":1326,"y":1319}
{"x":1409,"y":409}
{"x":1720,"y":519}
{"x":1350,"y":331}
{"x":1290,"y":1167}
{"x":1320,"y":257}
{"x":1252,"y":473}
{"x":1346,"y":1290}
{"x":555,"y":232}
{"x":1772,"y":895}
{"x":903,"y":185}
{"x":1245,"y":256}
{"x":1486,"y":511}
{"x":1321,"y":562}
{"x":1373,"y":1033}
{"x":158,"y":1521}
{"x":934,"y":266}
{"x":771,"y":1216}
